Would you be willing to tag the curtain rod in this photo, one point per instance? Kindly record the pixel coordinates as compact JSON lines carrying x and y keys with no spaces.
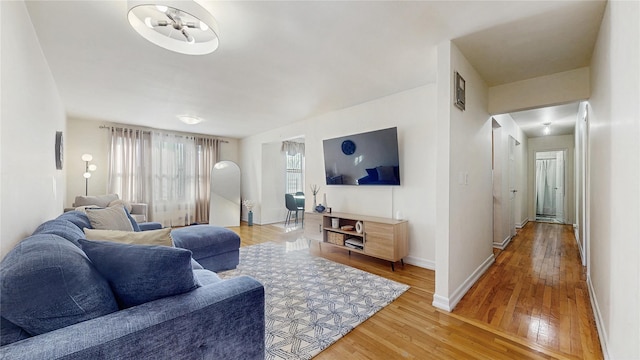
{"x":149,"y":132}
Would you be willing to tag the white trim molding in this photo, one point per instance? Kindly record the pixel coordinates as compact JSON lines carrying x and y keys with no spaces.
{"x":503,"y":244}
{"x":448,"y":304}
{"x":602,"y":332}
{"x":522,"y":224}
{"x":423,"y":263}
{"x":576,"y":234}
{"x":441,"y":302}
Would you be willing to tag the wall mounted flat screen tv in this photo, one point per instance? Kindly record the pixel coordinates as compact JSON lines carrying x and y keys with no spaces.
{"x":369,"y":158}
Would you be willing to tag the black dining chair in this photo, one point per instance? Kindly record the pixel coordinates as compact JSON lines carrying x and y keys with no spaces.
{"x":292,"y":207}
{"x":299,"y":196}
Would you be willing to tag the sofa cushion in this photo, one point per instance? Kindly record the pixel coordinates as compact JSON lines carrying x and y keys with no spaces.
{"x":151,"y":237}
{"x":205,"y":240}
{"x":63,"y":228}
{"x":101,"y":200}
{"x":78,"y":218}
{"x":49,"y":283}
{"x":206,"y":277}
{"x":10,"y":332}
{"x":141,"y":273}
{"x":112,"y":218}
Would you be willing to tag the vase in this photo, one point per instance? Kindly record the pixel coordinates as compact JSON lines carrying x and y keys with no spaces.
{"x":314,"y":202}
{"x":250,"y":216}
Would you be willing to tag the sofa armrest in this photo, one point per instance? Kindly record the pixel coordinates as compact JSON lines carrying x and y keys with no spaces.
{"x":224,"y":320}
{"x":145,"y":226}
{"x":139,"y":211}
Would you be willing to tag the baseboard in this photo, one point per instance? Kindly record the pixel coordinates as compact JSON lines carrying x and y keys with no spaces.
{"x":503,"y":244}
{"x":448,"y":304}
{"x":602,"y":333}
{"x":522,"y":224}
{"x":576,"y":234}
{"x":441,"y":302}
{"x":423,"y":263}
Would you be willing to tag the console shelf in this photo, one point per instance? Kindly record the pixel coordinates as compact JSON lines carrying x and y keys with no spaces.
{"x":381,"y":238}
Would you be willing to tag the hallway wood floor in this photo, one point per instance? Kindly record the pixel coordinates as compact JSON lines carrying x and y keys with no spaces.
{"x":537,"y":290}
{"x":411,"y":328}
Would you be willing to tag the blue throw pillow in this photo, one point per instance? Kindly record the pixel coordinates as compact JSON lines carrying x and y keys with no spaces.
{"x":49,"y":283}
{"x":141,"y":273}
{"x":373,"y":174}
{"x":134,"y":223}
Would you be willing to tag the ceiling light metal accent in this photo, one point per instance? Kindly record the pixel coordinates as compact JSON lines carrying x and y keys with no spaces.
{"x":181,"y":26}
{"x":189,"y":119}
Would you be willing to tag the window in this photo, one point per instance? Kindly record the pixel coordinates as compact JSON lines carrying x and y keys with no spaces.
{"x":294,"y":181}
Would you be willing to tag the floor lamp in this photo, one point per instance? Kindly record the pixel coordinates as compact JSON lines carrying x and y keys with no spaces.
{"x":88,"y":168}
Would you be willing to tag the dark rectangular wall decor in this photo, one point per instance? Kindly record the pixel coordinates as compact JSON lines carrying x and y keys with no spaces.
{"x":459,"y":92}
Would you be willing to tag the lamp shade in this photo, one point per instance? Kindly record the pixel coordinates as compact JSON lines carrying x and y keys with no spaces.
{"x":87,"y":175}
{"x":87,"y":157}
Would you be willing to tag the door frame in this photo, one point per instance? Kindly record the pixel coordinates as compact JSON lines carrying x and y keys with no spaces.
{"x":565,"y":152}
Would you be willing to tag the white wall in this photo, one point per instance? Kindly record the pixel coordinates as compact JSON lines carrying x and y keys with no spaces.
{"x":545,"y":143}
{"x":580,"y":139}
{"x":614,"y":170}
{"x":464,"y":203}
{"x":548,"y":90}
{"x":32,"y":189}
{"x":86,"y":137}
{"x":273,"y":178}
{"x":414,"y":113}
{"x":508,"y":128}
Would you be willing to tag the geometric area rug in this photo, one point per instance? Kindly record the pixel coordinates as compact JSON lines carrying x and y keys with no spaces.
{"x":310,"y":302}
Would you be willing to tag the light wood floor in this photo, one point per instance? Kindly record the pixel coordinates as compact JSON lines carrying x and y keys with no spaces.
{"x":559,"y":323}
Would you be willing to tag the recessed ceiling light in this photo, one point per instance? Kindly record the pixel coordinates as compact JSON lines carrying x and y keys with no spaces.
{"x":189,"y":120}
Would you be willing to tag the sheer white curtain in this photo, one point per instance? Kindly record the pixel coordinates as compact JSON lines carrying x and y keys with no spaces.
{"x":545,"y":187}
{"x":169,"y":172}
{"x":128,"y":171}
{"x":174,"y":179}
{"x":206,"y":158}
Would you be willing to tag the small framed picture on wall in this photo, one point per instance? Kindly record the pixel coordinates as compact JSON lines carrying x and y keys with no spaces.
{"x":459,"y":96}
{"x":58,"y":150}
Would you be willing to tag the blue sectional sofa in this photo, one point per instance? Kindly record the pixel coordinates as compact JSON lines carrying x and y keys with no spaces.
{"x":57,"y":301}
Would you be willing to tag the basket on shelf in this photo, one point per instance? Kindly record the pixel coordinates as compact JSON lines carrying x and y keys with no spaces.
{"x":335,"y":238}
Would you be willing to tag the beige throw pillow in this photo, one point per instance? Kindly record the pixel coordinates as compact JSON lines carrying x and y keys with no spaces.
{"x":117,"y":202}
{"x":150,"y":237}
{"x":111,"y":218}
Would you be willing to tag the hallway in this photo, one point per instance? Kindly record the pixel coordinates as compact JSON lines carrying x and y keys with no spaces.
{"x":537,"y":290}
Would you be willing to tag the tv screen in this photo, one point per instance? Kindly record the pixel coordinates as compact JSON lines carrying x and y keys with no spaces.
{"x":369,"y":158}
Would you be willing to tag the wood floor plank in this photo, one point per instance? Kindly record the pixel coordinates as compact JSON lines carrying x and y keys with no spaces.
{"x":552,"y":307}
{"x":531,"y":304}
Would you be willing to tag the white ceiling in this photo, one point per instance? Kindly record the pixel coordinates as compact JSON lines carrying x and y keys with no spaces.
{"x":562,"y":119}
{"x":284,"y":61}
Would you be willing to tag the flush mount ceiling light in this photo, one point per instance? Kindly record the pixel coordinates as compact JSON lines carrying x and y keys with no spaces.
{"x":181,"y":26}
{"x":189,"y":120}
